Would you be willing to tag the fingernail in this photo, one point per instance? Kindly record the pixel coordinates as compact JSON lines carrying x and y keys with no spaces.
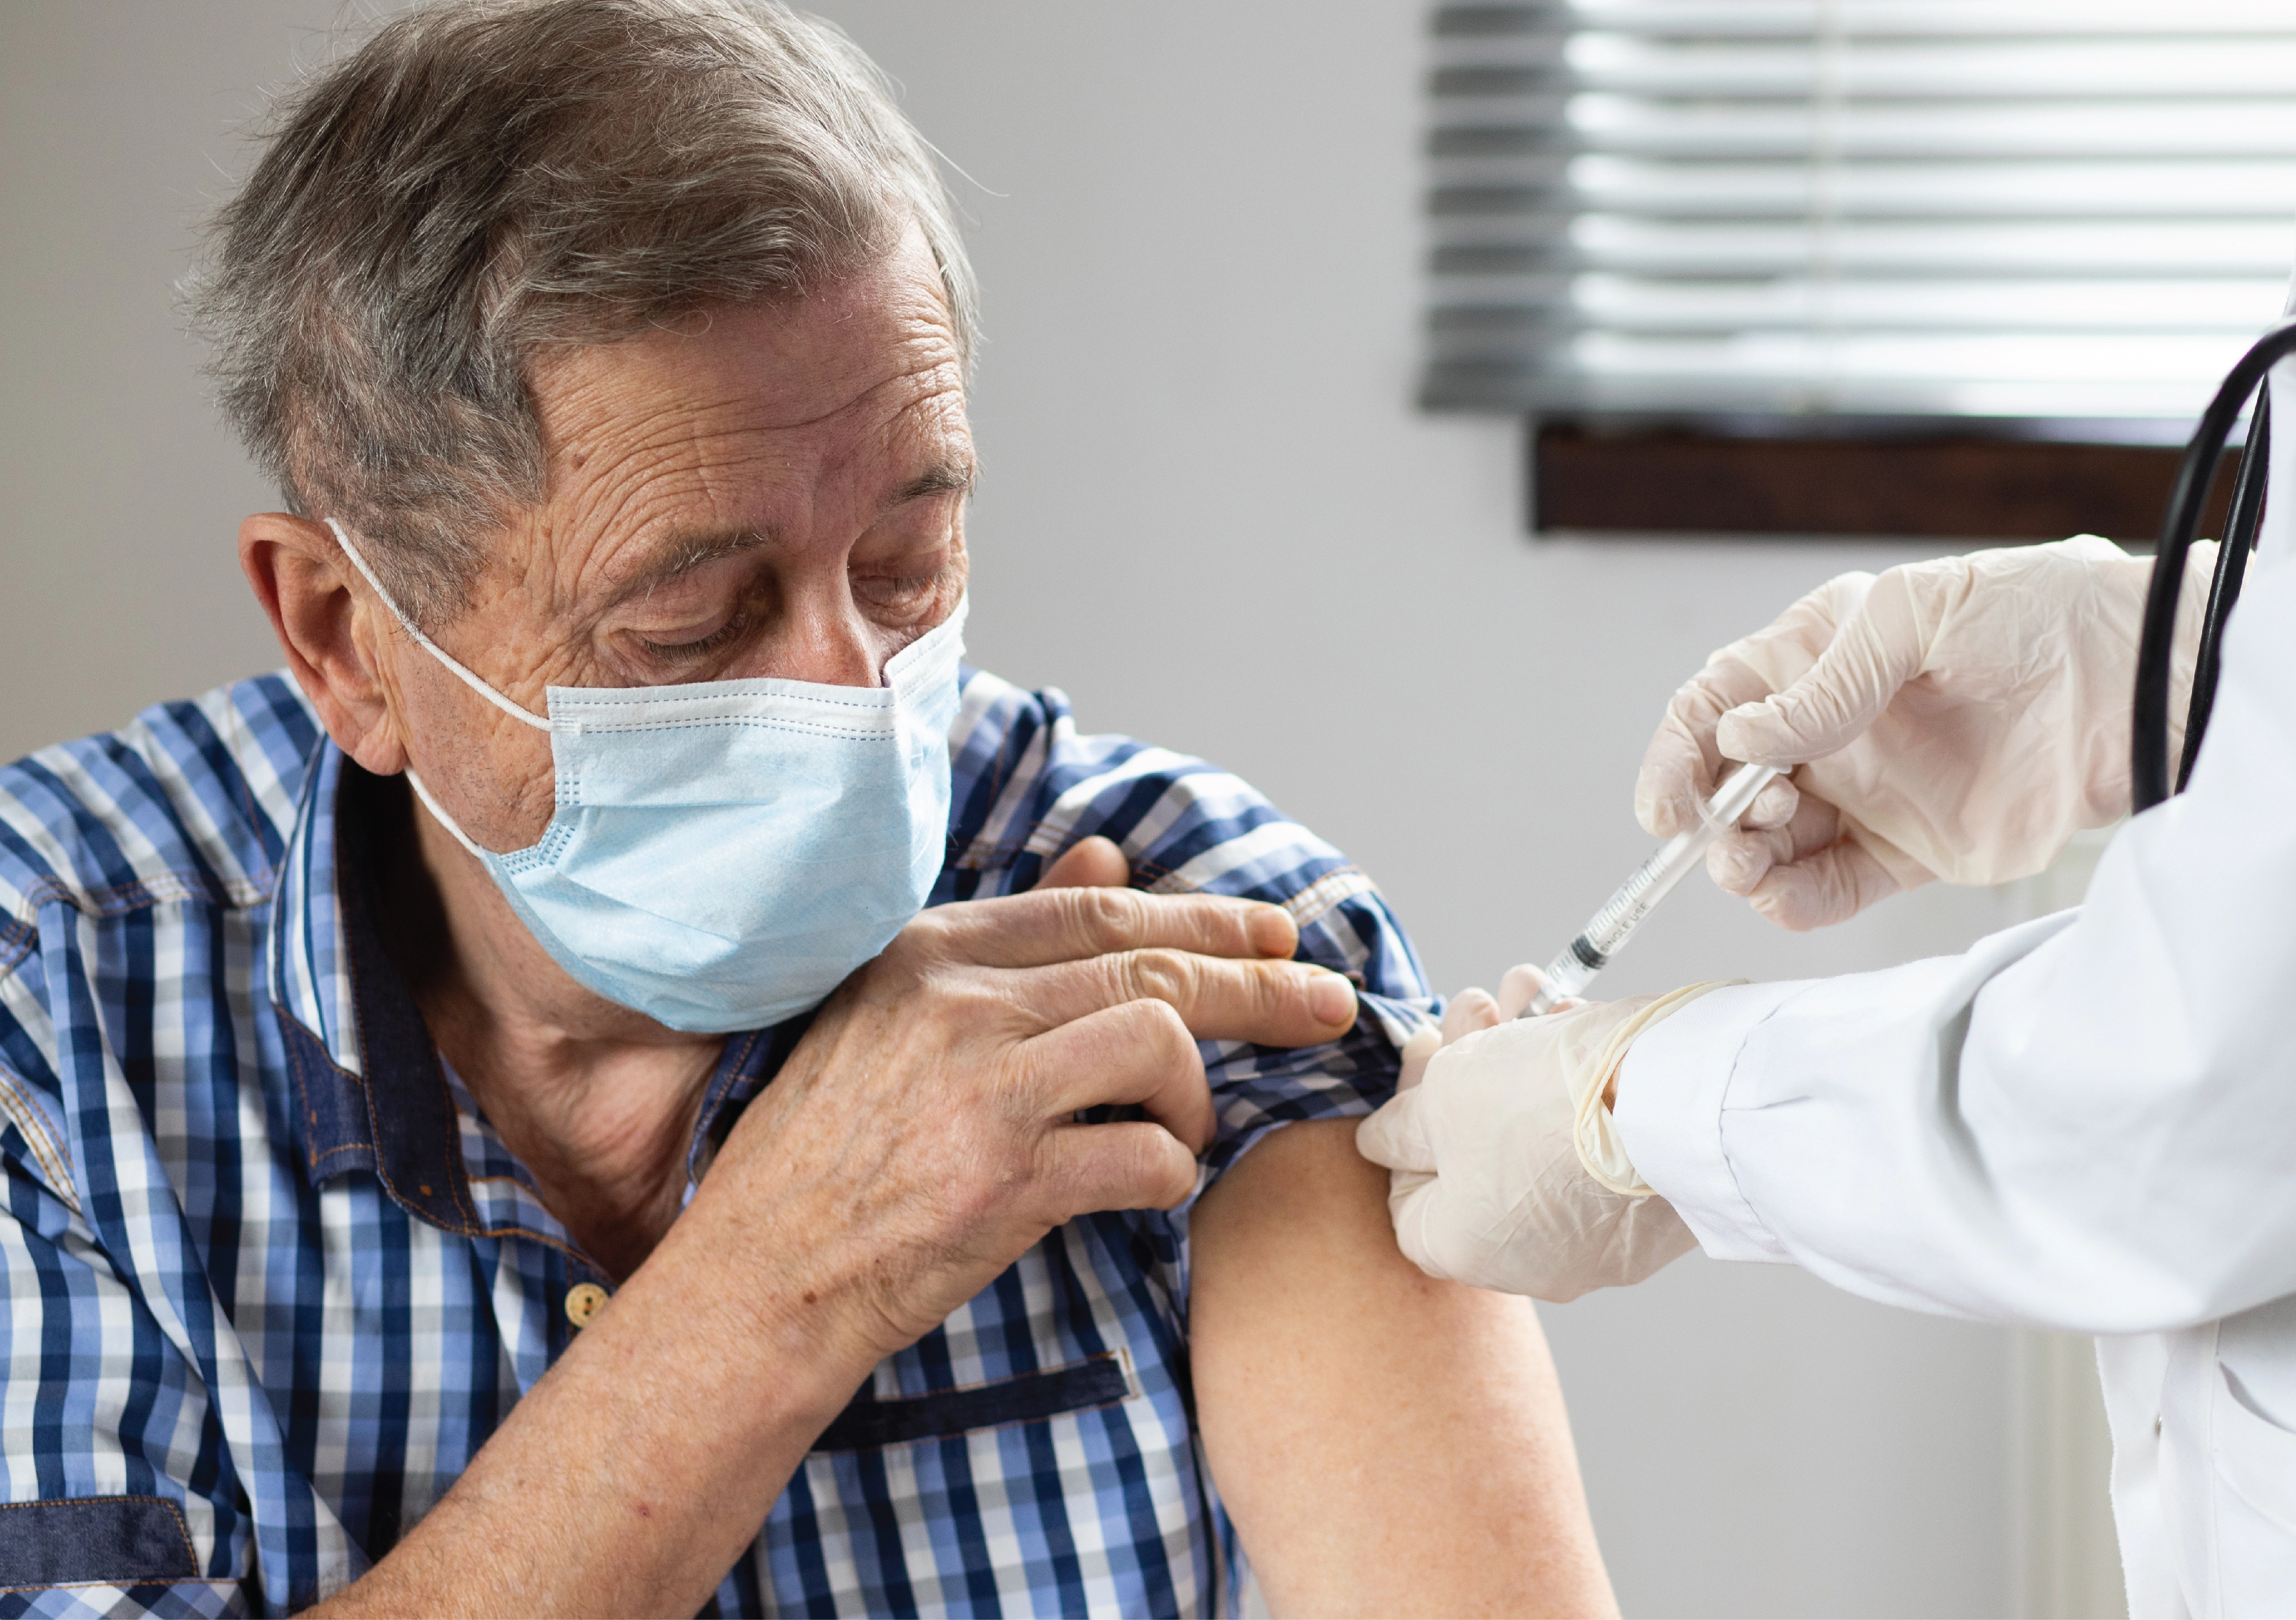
{"x":1330,"y":998}
{"x":1271,"y":932}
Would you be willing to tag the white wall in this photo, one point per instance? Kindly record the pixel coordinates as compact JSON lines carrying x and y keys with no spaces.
{"x":1211,"y":515}
{"x":119,"y":494}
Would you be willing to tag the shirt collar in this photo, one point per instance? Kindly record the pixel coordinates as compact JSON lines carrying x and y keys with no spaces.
{"x":370,"y":1092}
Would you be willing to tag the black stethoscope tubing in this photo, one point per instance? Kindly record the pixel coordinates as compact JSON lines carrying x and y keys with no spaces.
{"x":2149,"y":781}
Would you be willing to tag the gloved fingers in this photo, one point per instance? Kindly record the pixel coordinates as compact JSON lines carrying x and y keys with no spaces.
{"x":1781,"y":653}
{"x":1828,"y":885}
{"x":1878,"y":647}
{"x":1470,"y":1010}
{"x":1739,"y":859}
{"x":1682,"y":764}
{"x":1674,"y":778}
{"x":1396,"y":1135}
{"x":1517,"y":987}
{"x":1412,"y":1205}
{"x":1783,"y":650}
{"x":1425,"y":1042}
{"x":1774,"y":806}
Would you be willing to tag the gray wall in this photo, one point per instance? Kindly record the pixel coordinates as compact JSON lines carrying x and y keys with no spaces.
{"x":1210,"y":515}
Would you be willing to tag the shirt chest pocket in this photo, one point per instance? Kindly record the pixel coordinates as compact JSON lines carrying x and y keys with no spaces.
{"x":870,"y":1422}
{"x":121,"y":1540}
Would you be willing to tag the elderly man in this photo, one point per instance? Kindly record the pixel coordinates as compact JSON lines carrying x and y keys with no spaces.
{"x":626,"y":1082}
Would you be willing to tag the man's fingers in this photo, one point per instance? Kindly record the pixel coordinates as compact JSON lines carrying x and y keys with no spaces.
{"x":1096,"y":862}
{"x":1133,"y":1165}
{"x":1468,"y":1012}
{"x":1272,"y":1003}
{"x":1051,"y":925}
{"x":1829,"y":886}
{"x":1138,"y":1054}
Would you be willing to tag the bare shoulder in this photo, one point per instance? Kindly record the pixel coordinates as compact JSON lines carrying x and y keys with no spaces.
{"x":1301,"y":1170}
{"x":1378,"y":1436}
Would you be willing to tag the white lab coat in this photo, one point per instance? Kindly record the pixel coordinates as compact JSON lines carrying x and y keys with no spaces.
{"x":2087,"y":1123}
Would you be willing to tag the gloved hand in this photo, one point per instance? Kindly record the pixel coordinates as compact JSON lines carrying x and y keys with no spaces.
{"x":1959,"y":718}
{"x":1505,"y":1171}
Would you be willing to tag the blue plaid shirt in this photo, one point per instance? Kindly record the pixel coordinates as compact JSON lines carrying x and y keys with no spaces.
{"x":268,"y":1280}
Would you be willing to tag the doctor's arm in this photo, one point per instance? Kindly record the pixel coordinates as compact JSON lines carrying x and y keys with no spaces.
{"x":1387,"y":1443}
{"x":2084,"y":1123}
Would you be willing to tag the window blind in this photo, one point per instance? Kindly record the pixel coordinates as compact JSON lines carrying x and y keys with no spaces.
{"x":2026,"y":208}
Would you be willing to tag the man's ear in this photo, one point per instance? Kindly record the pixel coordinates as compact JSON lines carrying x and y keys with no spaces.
{"x":333,"y":634}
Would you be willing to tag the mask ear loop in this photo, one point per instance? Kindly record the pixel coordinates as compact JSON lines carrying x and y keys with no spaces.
{"x":443,"y":819}
{"x":469,"y":678}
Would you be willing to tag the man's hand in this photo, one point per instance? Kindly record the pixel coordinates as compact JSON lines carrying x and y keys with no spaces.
{"x":1959,"y":718}
{"x":923,"y":1135}
{"x":1505,"y":1171}
{"x":918,"y":1140}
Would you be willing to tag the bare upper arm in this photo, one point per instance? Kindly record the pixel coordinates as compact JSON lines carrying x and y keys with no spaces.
{"x":1387,"y":1443}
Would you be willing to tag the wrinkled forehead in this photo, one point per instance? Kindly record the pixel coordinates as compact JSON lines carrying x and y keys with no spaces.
{"x":872,"y":343}
{"x":782,"y":418}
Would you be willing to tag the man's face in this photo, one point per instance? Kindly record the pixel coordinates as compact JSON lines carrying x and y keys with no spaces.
{"x":772,"y":490}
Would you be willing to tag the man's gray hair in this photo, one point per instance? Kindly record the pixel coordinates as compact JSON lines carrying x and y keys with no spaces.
{"x":483,"y":178}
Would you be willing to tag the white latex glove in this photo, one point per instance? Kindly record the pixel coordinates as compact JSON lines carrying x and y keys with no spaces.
{"x":1506,"y":1172}
{"x":1960,"y":718}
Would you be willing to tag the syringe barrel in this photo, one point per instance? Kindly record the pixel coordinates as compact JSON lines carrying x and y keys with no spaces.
{"x":1610,"y":928}
{"x":1568,"y":975}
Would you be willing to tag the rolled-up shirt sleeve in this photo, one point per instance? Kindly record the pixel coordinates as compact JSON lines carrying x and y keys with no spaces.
{"x":114,"y":1502}
{"x":2087,"y":1122}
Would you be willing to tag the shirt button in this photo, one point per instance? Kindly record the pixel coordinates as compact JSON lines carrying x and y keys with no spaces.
{"x":584,"y":1301}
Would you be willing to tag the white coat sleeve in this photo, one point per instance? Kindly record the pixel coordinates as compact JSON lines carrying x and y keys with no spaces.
{"x":2087,"y":1123}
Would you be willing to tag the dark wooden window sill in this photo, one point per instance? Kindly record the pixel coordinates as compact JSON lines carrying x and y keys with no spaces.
{"x":1944,"y":486}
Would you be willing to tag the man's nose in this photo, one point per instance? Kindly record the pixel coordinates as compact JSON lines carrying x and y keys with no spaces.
{"x":826,"y":643}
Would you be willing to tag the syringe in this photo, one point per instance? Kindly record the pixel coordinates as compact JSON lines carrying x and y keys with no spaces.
{"x":1570,"y":974}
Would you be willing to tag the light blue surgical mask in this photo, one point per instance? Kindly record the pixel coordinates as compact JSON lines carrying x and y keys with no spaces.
{"x":723,"y":853}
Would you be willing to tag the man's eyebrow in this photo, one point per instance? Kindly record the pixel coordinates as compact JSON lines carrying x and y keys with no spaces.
{"x":682,"y":554}
{"x":941,"y":479}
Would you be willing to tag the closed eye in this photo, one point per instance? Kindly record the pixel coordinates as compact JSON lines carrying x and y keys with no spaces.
{"x":693,"y":651}
{"x":900,"y":591}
